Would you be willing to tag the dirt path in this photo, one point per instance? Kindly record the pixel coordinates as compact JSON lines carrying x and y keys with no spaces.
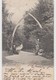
{"x":28,"y":58}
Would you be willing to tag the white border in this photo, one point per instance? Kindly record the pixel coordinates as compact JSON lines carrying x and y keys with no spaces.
{"x":54,"y":39}
{"x":0,"y":39}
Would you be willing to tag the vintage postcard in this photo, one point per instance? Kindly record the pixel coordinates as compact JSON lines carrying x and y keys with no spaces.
{"x":28,"y":39}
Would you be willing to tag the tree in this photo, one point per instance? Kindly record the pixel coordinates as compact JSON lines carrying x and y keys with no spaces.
{"x":4,"y":25}
{"x":7,"y":28}
{"x":44,"y":13}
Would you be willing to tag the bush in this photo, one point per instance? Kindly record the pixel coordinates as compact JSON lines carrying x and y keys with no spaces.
{"x":47,"y":42}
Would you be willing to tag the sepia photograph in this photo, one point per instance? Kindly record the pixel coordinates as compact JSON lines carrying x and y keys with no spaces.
{"x":28,"y":32}
{"x":27,"y":40}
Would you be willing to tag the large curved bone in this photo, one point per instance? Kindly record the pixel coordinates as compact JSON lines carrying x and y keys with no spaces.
{"x":19,"y":26}
{"x":35,"y":20}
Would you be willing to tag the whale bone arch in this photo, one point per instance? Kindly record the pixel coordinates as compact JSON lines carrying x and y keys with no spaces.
{"x":19,"y":26}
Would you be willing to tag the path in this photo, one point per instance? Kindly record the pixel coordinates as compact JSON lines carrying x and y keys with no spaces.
{"x":28,"y":58}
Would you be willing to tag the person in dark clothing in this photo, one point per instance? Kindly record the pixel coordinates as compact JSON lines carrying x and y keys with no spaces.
{"x":37,"y":47}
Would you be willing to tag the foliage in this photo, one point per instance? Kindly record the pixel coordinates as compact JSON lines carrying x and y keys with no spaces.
{"x":7,"y":28}
{"x":44,"y":13}
{"x":31,"y":31}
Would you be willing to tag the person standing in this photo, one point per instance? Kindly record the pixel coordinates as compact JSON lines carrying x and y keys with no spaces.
{"x":37,"y":47}
{"x":14,"y":50}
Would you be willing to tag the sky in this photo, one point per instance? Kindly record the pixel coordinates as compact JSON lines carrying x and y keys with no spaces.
{"x":18,"y":8}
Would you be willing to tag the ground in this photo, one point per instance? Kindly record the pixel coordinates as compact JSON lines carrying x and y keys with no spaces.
{"x":25,"y":58}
